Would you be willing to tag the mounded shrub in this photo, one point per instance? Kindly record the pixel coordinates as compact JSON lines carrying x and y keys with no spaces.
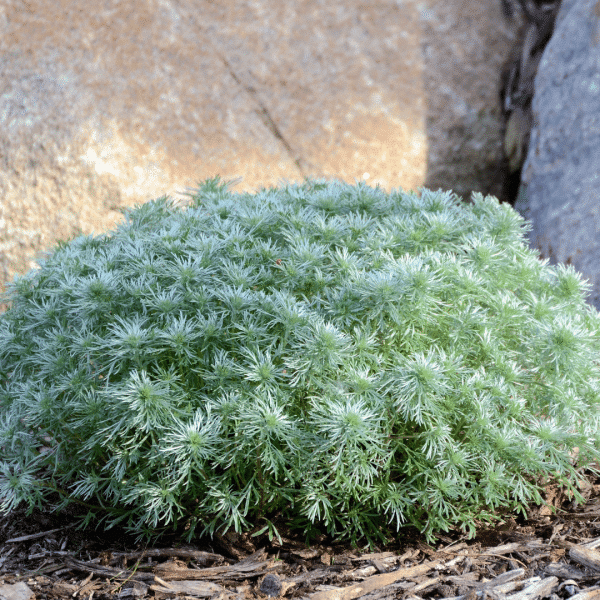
{"x":350,"y":360}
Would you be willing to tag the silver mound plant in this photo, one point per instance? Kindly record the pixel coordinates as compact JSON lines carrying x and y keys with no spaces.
{"x":343,"y":359}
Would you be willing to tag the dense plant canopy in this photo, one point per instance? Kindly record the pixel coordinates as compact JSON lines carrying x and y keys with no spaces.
{"x":350,"y":359}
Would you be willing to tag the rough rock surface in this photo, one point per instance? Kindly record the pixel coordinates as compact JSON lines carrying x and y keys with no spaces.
{"x":560,"y":187}
{"x":518,"y":83}
{"x":121,"y":102}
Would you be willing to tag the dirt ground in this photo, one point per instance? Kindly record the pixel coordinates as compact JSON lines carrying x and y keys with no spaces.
{"x":550,"y":553}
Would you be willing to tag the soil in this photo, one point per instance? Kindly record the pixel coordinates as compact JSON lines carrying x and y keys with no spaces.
{"x":550,"y":552}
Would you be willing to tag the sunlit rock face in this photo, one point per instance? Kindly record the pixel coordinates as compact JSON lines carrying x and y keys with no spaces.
{"x":127,"y":101}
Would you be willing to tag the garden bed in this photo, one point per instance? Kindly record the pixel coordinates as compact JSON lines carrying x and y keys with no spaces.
{"x":545,"y":555}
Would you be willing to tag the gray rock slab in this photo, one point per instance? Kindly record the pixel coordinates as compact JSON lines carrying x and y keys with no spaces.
{"x":560,"y":184}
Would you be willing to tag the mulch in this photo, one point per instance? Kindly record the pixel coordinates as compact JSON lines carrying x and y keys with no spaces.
{"x":550,"y":553}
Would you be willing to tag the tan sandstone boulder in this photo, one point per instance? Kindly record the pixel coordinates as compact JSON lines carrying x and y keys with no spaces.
{"x":105,"y":104}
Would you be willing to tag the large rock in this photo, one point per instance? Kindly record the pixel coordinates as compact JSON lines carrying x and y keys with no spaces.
{"x":113,"y":103}
{"x":560,"y":186}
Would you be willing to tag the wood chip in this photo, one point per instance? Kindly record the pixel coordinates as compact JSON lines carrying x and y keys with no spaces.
{"x":374,"y":583}
{"x":506,"y":583}
{"x":117,"y":574}
{"x":587,"y":595}
{"x":538,"y":589}
{"x":503,"y":579}
{"x":32,"y":536}
{"x":198,"y":589}
{"x":565,"y":571}
{"x":252,"y":566}
{"x":202,"y":558}
{"x":427,"y":583}
{"x":588,"y":557}
{"x":375,"y":556}
{"x":504,"y":549}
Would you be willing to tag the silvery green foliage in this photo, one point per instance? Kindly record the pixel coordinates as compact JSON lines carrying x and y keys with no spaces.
{"x":354,"y":360}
